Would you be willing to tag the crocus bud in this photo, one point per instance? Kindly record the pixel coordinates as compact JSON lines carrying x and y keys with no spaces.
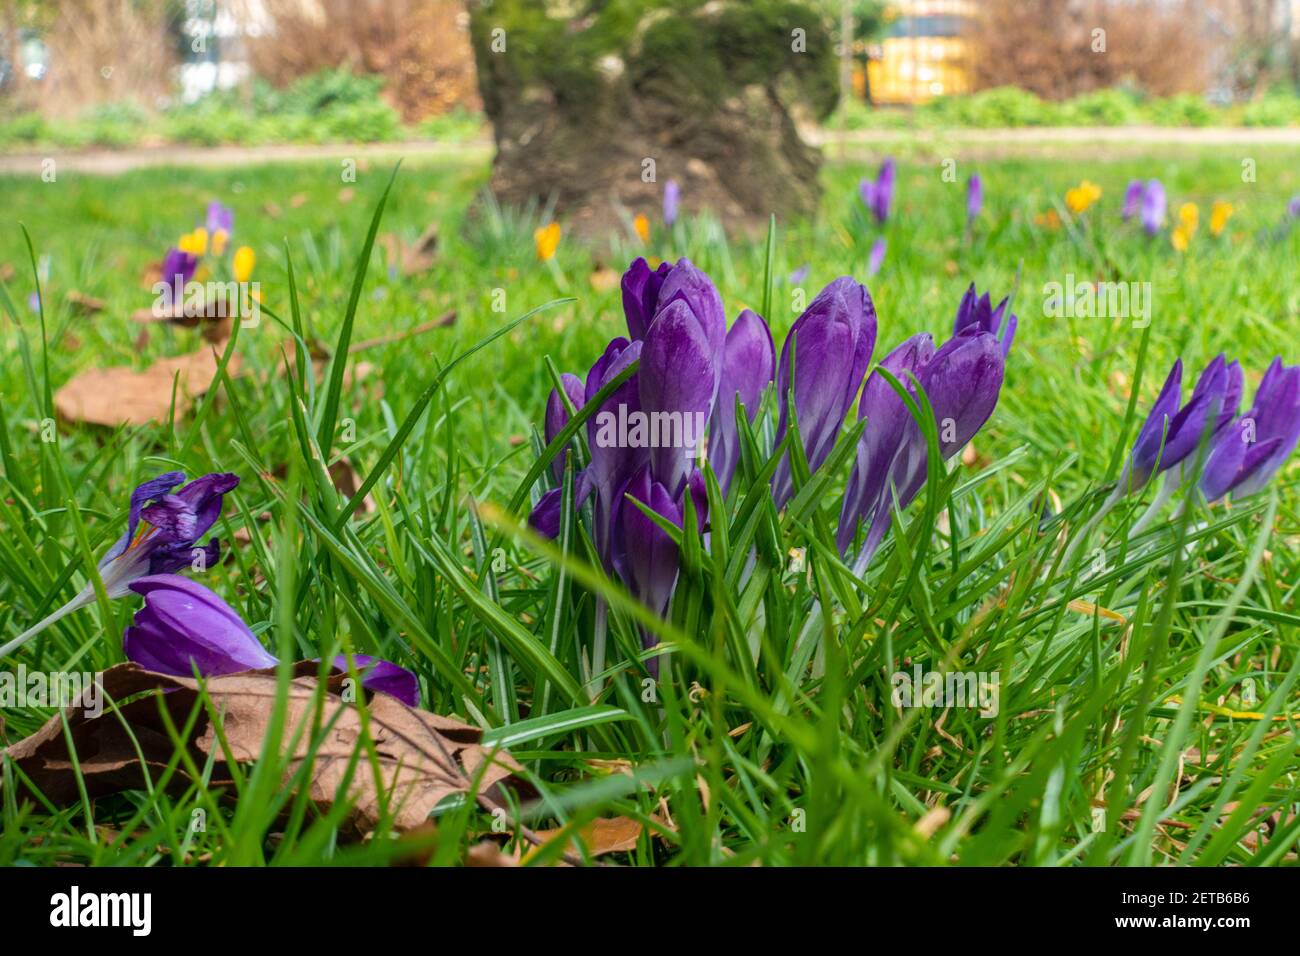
{"x":749,"y":359}
{"x":557,"y":415}
{"x":832,"y":343}
{"x":672,"y":198}
{"x":183,"y":622}
{"x":876,"y":258}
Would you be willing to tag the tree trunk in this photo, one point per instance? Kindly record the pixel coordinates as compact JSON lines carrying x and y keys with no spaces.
{"x":598,"y":111}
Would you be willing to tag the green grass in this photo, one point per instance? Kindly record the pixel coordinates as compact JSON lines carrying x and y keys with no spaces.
{"x":793,"y":756}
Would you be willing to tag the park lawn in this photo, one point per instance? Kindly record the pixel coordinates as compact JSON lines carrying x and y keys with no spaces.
{"x":812,"y":766}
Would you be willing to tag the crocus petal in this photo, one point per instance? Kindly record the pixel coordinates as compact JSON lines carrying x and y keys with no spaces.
{"x":876,"y":259}
{"x":749,"y":360}
{"x":1151,"y":436}
{"x":183,"y":624}
{"x":383,"y":676}
{"x":1153,"y":206}
{"x":545,"y":516}
{"x":144,"y":493}
{"x":641,"y":287}
{"x":677,"y":379}
{"x":1132,"y":199}
{"x":648,"y":557}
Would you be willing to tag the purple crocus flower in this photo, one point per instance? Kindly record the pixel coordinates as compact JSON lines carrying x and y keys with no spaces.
{"x":1132,"y":199}
{"x":1170,"y":432}
{"x":877,"y":257}
{"x":800,"y":274}
{"x":748,"y":362}
{"x":974,"y":197}
{"x":184,"y":627}
{"x":1154,"y":205}
{"x":1245,"y":455}
{"x":1293,"y":207}
{"x":557,"y":414}
{"x":878,"y":195}
{"x":178,"y":267}
{"x":672,"y":196}
{"x":163,"y":529}
{"x":832,"y":343}
{"x":975,"y":313}
{"x":220,"y":218}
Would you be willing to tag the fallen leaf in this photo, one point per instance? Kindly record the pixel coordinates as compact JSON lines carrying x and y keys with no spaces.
{"x":600,"y":836}
{"x":415,"y":258}
{"x":84,"y":304}
{"x":419,"y":758}
{"x":119,"y":395}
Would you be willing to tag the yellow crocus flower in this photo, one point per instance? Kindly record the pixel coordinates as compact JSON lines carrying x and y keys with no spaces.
{"x":547,"y":239}
{"x":1220,"y":213}
{"x":1082,"y":196}
{"x":1189,"y":217}
{"x":242,"y":265}
{"x":642,"y":226}
{"x":1180,"y":238}
{"x":219,"y":239}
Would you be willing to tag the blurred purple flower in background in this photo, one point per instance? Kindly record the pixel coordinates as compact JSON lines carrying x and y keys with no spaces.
{"x":974,"y":197}
{"x":672,"y":196}
{"x":876,"y":259}
{"x":878,"y":194}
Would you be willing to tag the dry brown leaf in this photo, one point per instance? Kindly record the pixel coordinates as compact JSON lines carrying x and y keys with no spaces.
{"x":421,"y":757}
{"x":124,"y":396}
{"x":84,"y":304}
{"x":414,"y":258}
{"x":600,"y":836}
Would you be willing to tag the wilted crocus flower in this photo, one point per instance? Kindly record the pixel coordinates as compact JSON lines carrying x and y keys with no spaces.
{"x":162,"y":536}
{"x":1132,"y":199}
{"x":1154,"y":206}
{"x":877,"y":257}
{"x":878,"y":195}
{"x":1246,"y":454}
{"x":974,"y":197}
{"x":184,"y":627}
{"x":749,"y":359}
{"x":672,"y":196}
{"x":831,"y":344}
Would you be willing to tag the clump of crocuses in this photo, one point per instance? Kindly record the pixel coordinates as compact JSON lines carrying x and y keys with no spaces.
{"x":1242,"y":452}
{"x":693,"y":369}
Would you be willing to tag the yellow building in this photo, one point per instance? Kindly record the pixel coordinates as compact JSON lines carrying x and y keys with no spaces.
{"x":922,"y":54}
